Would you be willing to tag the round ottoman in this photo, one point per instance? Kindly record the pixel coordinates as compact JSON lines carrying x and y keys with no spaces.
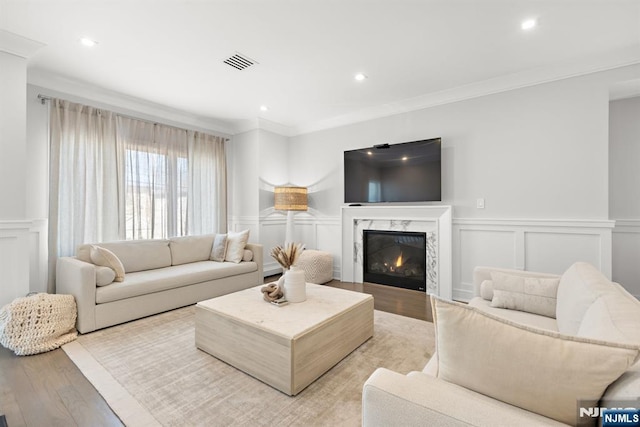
{"x":317,"y":266}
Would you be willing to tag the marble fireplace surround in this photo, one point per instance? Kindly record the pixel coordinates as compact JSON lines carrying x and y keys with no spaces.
{"x":433,"y":220}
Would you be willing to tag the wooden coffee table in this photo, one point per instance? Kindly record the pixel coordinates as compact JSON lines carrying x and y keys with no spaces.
{"x":287,"y":347}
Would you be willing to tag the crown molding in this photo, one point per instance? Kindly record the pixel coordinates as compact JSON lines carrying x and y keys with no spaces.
{"x":611,"y":60}
{"x":18,"y":45}
{"x":57,"y":86}
{"x":259,"y":123}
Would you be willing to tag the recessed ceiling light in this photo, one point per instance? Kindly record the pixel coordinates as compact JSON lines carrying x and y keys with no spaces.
{"x":529,"y":24}
{"x":360,"y":77}
{"x":264,"y":108}
{"x":86,"y":41}
{"x":404,"y":158}
{"x":370,"y":153}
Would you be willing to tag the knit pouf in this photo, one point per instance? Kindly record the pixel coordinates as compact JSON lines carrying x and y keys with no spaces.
{"x":317,"y":266}
{"x":38,"y":323}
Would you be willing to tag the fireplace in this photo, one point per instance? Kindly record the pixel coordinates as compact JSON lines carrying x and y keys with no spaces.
{"x":395,"y":258}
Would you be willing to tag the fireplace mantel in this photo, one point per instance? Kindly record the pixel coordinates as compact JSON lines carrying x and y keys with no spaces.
{"x":435,"y":220}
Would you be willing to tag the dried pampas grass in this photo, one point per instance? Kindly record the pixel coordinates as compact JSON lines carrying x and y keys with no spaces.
{"x":288,"y":255}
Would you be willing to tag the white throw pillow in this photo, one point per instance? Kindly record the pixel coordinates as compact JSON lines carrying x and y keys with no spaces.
{"x":219,"y":249}
{"x":104,"y":275}
{"x":106,"y":258}
{"x":235,"y":245}
{"x":530,"y":294}
{"x":537,"y":370}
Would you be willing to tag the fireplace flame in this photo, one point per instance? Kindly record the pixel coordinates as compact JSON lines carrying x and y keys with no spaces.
{"x":399,"y":260}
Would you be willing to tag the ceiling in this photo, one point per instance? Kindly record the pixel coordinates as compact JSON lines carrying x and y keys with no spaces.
{"x":415,"y":53}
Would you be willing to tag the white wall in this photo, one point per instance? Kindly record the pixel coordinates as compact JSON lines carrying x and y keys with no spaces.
{"x":537,"y":155}
{"x":259,"y":161}
{"x":513,"y":149}
{"x":624,"y":189}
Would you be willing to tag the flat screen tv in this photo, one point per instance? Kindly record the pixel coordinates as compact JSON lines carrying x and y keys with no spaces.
{"x":385,"y":173}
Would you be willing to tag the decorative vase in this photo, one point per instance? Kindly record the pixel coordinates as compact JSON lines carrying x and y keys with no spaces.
{"x":295,"y":286}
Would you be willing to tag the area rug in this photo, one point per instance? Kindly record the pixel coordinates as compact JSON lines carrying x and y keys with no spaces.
{"x":150,"y":373}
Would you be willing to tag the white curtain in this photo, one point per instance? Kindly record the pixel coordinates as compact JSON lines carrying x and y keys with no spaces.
{"x":207,"y":198}
{"x":83,"y":177}
{"x":155,"y":184}
{"x":114,"y":178}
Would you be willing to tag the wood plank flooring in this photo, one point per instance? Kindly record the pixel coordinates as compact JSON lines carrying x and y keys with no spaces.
{"x":48,"y":389}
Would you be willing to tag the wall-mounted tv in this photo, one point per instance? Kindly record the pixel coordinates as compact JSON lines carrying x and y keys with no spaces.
{"x":385,"y":173}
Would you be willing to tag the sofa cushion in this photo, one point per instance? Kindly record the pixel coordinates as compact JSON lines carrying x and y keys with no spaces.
{"x":235,"y":245}
{"x":190,"y":248}
{"x":105,"y":258}
{"x":519,"y":365}
{"x":219,"y":249}
{"x":139,"y":255}
{"x":522,"y":317}
{"x":579,"y":287}
{"x":146,"y":282}
{"x":531,"y":294}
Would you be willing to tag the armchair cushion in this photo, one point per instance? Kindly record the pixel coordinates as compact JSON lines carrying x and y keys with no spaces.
{"x":518,"y":364}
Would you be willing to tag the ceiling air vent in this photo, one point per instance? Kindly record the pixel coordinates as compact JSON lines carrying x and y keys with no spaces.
{"x":239,"y":61}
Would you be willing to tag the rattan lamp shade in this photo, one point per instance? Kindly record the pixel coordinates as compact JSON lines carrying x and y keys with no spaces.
{"x":291,"y":198}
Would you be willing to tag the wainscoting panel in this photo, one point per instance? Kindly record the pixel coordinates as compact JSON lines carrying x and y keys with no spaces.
{"x":38,"y":255}
{"x":626,"y":255}
{"x":14,"y":260}
{"x":553,"y":252}
{"x":474,"y":247}
{"x":549,"y":246}
{"x":272,"y":231}
{"x":324,"y":234}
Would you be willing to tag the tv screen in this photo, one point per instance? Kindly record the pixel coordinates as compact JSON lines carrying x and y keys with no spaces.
{"x":407,"y":172}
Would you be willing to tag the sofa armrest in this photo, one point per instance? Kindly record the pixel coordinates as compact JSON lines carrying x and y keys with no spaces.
{"x":481,"y":274}
{"x":258,"y":257}
{"x":389,"y":398}
{"x":78,"y":278}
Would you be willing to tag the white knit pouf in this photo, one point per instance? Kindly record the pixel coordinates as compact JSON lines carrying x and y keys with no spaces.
{"x":317,"y":265}
{"x":38,"y":323}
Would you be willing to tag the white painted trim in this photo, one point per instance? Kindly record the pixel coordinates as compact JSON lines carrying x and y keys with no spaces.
{"x":627,"y":226}
{"x":16,"y":224}
{"x":523,"y":222}
{"x":18,"y":45}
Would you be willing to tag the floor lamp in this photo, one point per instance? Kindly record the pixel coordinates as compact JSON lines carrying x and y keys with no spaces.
{"x":290,"y":199}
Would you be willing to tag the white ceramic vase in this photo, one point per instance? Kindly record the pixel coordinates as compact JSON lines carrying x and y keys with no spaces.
{"x":295,"y":287}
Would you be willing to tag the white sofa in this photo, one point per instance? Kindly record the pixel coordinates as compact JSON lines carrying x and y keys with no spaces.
{"x":587,"y":305}
{"x":160,"y":275}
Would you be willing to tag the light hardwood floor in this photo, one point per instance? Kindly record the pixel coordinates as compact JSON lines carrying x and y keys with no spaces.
{"x":48,"y":389}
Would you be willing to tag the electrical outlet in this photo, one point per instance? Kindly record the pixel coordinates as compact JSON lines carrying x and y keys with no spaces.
{"x":480,"y":203}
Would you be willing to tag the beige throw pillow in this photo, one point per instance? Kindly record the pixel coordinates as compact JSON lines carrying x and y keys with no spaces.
{"x":247,"y":256}
{"x":486,"y":290}
{"x":104,"y":276}
{"x":235,"y":245}
{"x":219,"y":249}
{"x":530,"y":294}
{"x":537,"y":370}
{"x":106,"y":258}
